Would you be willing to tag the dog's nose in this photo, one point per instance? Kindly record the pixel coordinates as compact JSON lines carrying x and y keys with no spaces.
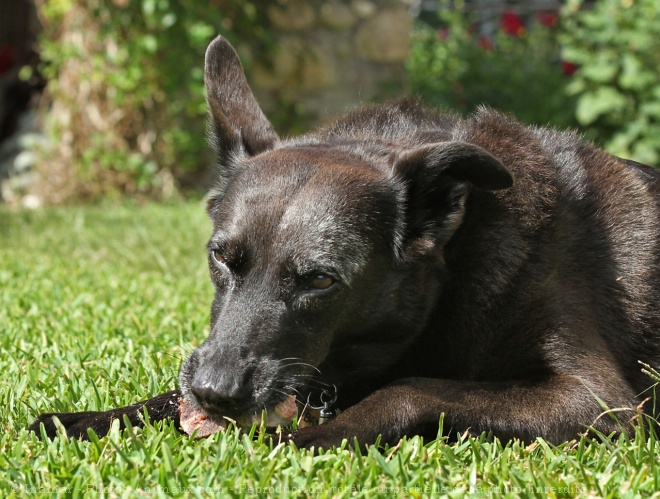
{"x":227,"y":404}
{"x":224,"y":395}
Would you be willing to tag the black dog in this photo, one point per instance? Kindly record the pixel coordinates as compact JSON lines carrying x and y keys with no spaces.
{"x":504,"y":275}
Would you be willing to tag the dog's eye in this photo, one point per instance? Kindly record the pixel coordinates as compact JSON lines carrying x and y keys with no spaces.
{"x":321,"y":281}
{"x":218,"y":257}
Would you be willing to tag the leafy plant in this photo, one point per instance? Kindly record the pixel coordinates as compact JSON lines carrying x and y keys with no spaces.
{"x":616,"y":44}
{"x":125,"y":78}
{"x":517,"y":70}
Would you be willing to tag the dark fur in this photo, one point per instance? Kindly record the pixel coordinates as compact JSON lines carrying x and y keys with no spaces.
{"x":518,"y":310}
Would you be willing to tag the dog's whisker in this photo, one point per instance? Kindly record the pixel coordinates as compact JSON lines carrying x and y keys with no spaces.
{"x":187,"y":348}
{"x":309,"y":380}
{"x":286,"y":394}
{"x":305,"y":364}
{"x":173,"y":356}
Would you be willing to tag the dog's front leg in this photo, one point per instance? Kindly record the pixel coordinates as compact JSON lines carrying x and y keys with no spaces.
{"x":164,"y":406}
{"x":556,"y":408}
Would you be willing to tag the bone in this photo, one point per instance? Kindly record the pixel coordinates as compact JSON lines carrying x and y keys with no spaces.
{"x":194,"y":418}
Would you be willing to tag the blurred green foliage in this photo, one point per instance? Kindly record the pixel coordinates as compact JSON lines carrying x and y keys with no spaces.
{"x":126,"y":85}
{"x":616,"y":44}
{"x":596,"y":69}
{"x":125,"y":77}
{"x":517,"y":70}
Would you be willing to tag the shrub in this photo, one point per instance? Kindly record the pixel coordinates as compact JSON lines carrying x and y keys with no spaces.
{"x":125,"y":79}
{"x":616,"y":44}
{"x":518,"y":70}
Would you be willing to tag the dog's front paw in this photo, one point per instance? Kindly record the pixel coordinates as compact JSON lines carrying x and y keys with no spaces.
{"x":75,"y":424}
{"x":331,"y":435}
{"x":318,"y":437}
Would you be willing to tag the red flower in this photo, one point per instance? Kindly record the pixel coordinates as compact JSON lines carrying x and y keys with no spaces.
{"x":443,"y":34}
{"x":549,"y":19}
{"x":568,"y":68}
{"x":511,"y":24}
{"x":485,"y":43}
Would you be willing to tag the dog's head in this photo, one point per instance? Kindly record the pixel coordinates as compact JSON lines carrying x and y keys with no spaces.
{"x":325,"y":254}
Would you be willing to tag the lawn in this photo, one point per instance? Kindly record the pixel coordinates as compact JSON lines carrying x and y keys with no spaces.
{"x":98,"y":307}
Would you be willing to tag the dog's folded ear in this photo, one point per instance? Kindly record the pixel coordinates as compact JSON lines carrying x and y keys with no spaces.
{"x":462,"y":161}
{"x":435,"y":179}
{"x":238,"y":126}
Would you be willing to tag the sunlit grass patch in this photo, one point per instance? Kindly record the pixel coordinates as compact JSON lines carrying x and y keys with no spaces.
{"x":100,"y":305}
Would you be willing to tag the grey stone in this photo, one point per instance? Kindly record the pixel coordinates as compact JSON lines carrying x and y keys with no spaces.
{"x":337,"y":16}
{"x":385,"y":37}
{"x":292,"y":15}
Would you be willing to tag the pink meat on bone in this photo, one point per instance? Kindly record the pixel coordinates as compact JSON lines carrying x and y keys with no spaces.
{"x":194,"y":418}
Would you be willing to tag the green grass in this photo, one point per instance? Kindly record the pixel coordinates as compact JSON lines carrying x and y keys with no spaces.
{"x":99,"y":305}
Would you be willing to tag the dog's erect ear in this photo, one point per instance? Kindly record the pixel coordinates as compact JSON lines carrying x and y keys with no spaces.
{"x":436,"y":178}
{"x":239,"y":127}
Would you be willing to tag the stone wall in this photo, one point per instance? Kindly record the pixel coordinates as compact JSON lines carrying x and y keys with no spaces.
{"x":330,"y":55}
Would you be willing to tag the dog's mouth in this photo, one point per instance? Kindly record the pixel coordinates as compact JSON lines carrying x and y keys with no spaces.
{"x":195,"y":419}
